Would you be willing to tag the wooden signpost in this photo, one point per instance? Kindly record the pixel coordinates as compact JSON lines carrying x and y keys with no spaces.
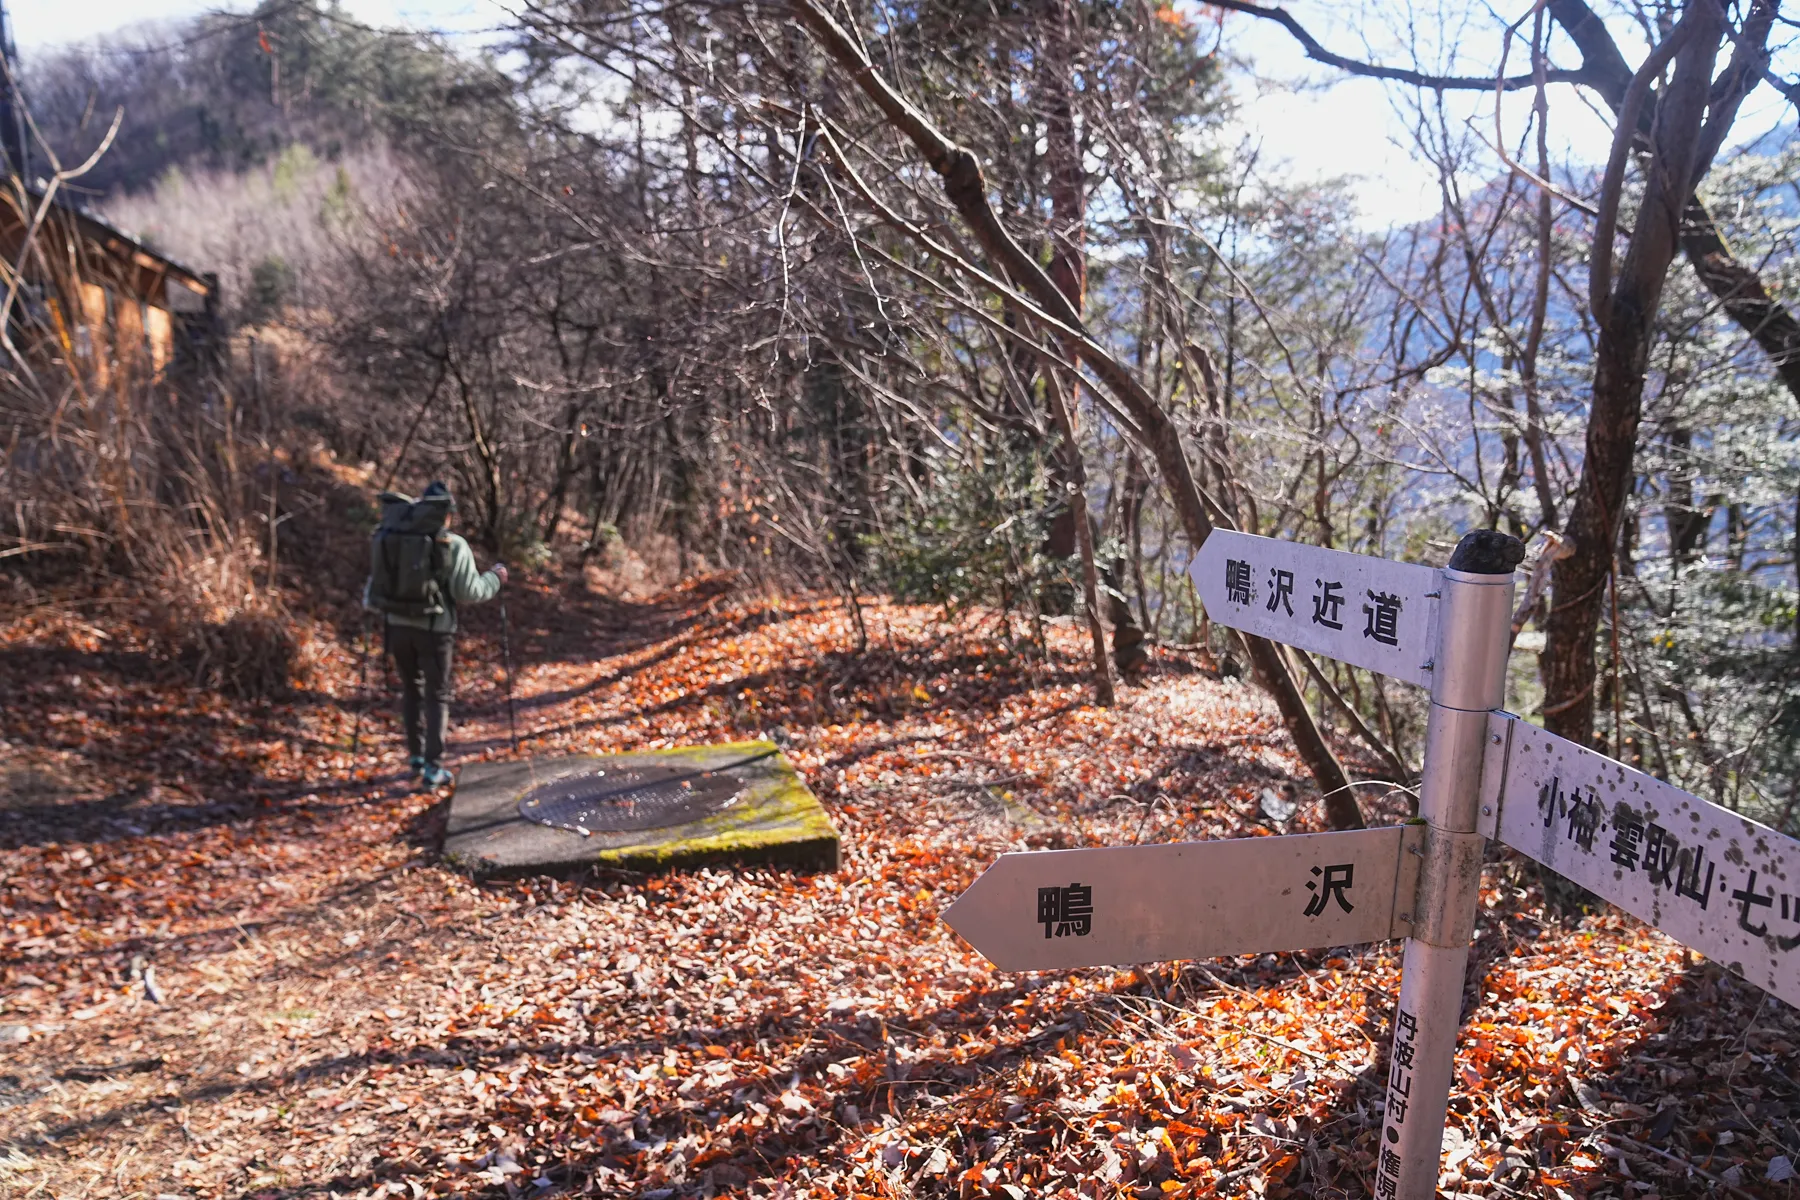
{"x":1716,"y":881}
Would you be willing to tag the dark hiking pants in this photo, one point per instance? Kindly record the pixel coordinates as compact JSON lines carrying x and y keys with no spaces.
{"x":423,"y":660}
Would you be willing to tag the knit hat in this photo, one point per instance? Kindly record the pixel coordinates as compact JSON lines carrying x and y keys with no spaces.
{"x":436,"y":493}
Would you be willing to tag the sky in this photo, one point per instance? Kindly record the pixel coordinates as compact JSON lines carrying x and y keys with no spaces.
{"x":1308,"y":122}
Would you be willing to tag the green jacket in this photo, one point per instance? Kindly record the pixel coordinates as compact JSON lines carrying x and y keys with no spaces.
{"x":465,"y":584}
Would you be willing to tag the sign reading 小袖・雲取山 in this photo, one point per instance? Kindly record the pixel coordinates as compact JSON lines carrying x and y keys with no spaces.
{"x":1708,"y":877}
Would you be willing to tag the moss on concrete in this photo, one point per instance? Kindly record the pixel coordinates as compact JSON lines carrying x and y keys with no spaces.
{"x":776,"y":820}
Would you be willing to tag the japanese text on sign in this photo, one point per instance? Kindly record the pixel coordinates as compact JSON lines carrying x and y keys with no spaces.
{"x":1334,"y":884}
{"x":1399,"y":1096}
{"x":1708,"y":877}
{"x":1381,"y":614}
{"x":1637,"y":843}
{"x":1366,"y":611}
{"x":1066,"y":910}
{"x":1118,"y":905}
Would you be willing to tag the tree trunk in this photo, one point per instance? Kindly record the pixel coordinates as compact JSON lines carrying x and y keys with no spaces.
{"x":567,"y":466}
{"x":1540,"y":297}
{"x":1076,"y":473}
{"x":1739,"y":288}
{"x":489,"y":459}
{"x":1132,"y":510}
{"x":1068,"y":271}
{"x":1685,"y":523}
{"x":1626,"y":325}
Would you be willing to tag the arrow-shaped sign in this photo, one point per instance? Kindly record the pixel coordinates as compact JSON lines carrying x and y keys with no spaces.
{"x":1710,"y":878}
{"x":1365,"y":611}
{"x":1118,"y":905}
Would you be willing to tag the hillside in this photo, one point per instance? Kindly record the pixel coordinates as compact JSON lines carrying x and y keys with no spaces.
{"x":229,"y":92}
{"x":965,"y":398}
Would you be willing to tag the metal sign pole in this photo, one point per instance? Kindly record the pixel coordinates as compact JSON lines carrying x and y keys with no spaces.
{"x":1468,"y":680}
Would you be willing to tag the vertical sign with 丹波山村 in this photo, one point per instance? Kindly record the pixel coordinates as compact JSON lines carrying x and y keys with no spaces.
{"x":1468,"y":681}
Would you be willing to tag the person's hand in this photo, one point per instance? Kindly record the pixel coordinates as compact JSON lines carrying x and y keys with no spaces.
{"x":499,"y":569}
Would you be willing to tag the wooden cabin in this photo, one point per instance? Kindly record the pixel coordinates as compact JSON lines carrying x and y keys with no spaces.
{"x":98,"y":300}
{"x":89,"y":301}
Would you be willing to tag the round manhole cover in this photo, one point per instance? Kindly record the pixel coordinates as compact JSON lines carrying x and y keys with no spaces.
{"x":630,"y":799}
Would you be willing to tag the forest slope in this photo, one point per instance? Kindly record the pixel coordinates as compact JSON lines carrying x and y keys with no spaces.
{"x":340,"y":1014}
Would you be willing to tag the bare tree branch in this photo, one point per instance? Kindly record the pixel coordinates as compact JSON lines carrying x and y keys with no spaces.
{"x":1613,"y":182}
{"x":966,"y":188}
{"x":1422,"y":79}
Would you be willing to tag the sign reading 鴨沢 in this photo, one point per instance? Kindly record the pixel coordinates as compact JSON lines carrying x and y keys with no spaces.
{"x":1368,"y":612}
{"x":1706,"y":876}
{"x":1119,"y":905}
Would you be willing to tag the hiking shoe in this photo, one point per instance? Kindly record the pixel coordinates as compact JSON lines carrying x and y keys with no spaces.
{"x":415,"y":766}
{"x":436,"y":777}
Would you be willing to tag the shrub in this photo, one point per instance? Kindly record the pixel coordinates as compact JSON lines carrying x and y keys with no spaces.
{"x":271,"y":284}
{"x":980,"y":542}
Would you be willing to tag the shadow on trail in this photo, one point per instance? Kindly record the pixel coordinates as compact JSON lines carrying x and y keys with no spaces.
{"x":1706,"y":1084}
{"x":679,"y":636}
{"x":1704,"y":1103}
{"x":561,"y":621}
{"x":196,"y":774}
{"x":849,"y":1056}
{"x":875,"y":686}
{"x":141,"y":811}
{"x":833,"y":1050}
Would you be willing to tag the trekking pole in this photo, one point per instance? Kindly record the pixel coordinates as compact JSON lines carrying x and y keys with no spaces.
{"x":362,"y":688}
{"x":512,"y":723}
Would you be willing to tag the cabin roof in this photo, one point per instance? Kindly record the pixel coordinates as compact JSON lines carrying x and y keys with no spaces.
{"x":127,"y":248}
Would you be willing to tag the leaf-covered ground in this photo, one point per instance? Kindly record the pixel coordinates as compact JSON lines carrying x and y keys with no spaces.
{"x":233,"y":967}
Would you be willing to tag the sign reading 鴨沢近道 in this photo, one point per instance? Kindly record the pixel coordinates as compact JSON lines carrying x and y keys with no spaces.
{"x":1706,"y":876}
{"x":1120,"y":905}
{"x":1365,"y":611}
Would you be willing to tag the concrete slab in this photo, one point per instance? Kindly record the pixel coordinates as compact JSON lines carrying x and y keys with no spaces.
{"x":775,"y":819}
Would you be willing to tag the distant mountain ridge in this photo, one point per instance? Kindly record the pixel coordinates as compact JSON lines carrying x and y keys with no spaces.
{"x":232,"y":91}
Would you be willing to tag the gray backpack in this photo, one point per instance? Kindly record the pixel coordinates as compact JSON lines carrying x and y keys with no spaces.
{"x":409,"y":557}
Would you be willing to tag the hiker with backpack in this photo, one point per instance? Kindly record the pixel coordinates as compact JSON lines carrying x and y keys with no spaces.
{"x":419,"y":574}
